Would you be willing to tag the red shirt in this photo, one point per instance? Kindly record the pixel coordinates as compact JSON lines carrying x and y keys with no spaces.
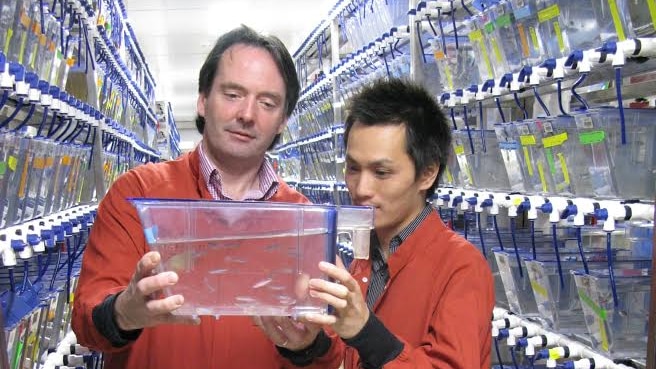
{"x":116,"y":244}
{"x":438,"y":301}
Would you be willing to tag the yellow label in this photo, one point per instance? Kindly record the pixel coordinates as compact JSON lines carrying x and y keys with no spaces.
{"x":486,"y":58}
{"x":497,"y":51}
{"x":527,"y":140}
{"x":554,"y":354}
{"x":523,"y":40}
{"x":604,"y":336}
{"x":12,"y":162}
{"x":449,"y":77}
{"x":23,"y":44}
{"x":615,"y":13}
{"x":563,"y":166}
{"x":10,"y":32}
{"x":476,"y":35}
{"x":548,"y":13}
{"x":101,"y":20}
{"x":527,"y":159}
{"x":70,"y":61}
{"x":49,"y":162}
{"x":543,"y":179}
{"x":33,"y":58}
{"x":517,"y":201}
{"x":534,"y":37}
{"x":539,"y":289}
{"x":23,"y":182}
{"x":449,"y":176}
{"x":42,"y":39}
{"x":66,"y":160}
{"x":555,"y":140}
{"x":39,"y":163}
{"x":52,"y":46}
{"x":559,"y":36}
{"x":459,"y":150}
{"x":652,"y":10}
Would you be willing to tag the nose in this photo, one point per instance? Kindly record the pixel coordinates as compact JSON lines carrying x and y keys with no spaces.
{"x":361,"y":187}
{"x":246,"y":113}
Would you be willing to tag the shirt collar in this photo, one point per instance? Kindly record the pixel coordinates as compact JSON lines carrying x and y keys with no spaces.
{"x":268,"y":179}
{"x":397,"y":240}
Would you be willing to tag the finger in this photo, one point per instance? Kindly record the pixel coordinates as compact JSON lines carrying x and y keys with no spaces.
{"x":340,"y":275}
{"x":336,"y":302}
{"x":332,"y":288}
{"x":149,"y":285}
{"x":294,"y":330}
{"x":271,"y":329}
{"x":147,"y":264}
{"x":164,"y":306}
{"x":320,"y":319}
{"x":181,"y":319}
{"x":257,"y":320}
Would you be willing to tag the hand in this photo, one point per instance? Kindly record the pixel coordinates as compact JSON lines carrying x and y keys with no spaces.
{"x":138,"y":307}
{"x":285,"y":332}
{"x":351,"y":311}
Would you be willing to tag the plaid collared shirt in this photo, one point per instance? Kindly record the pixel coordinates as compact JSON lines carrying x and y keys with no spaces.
{"x":379,"y":270}
{"x":266,"y":175}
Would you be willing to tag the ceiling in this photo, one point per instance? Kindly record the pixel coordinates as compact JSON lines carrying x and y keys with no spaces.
{"x":175,"y":37}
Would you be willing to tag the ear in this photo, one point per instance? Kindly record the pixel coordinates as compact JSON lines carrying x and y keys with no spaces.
{"x":200,"y":104}
{"x":282,"y":125}
{"x":427,"y":178}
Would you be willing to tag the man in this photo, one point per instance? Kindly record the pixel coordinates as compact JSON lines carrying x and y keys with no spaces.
{"x":425,"y":297}
{"x":247,"y":90}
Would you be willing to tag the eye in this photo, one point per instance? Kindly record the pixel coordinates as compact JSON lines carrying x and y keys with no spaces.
{"x":231,"y":95}
{"x":352,"y":168}
{"x":382,"y":173}
{"x":268,"y":104}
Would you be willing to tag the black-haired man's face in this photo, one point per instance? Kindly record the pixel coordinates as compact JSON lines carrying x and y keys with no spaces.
{"x":380,"y":173}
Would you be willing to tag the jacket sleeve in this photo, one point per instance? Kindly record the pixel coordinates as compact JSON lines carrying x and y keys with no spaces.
{"x":115,"y":245}
{"x":459,"y":335}
{"x":331,"y":359}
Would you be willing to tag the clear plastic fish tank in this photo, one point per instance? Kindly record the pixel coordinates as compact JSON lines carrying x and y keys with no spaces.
{"x":616,"y":313}
{"x":613,"y":158}
{"x":479,"y":157}
{"x":246,"y":258}
{"x":556,"y":293}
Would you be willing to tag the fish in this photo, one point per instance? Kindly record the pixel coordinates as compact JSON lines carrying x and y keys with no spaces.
{"x":262,"y":283}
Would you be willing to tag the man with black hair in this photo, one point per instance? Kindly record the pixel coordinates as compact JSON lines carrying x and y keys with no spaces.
{"x":425,"y":297}
{"x":248,"y":88}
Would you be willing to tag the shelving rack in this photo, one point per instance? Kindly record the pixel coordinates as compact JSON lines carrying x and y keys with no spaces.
{"x":323,"y":87}
{"x":77,"y":103}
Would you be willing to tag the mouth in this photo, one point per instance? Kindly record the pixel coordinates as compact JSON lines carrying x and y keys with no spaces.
{"x":243,"y":136}
{"x":365,"y":204}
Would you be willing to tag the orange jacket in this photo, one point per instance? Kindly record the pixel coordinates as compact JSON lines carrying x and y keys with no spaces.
{"x":116,"y":244}
{"x":438,"y":301}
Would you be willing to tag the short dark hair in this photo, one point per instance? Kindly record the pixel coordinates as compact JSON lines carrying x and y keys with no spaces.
{"x":247,"y":36}
{"x":396,"y":102}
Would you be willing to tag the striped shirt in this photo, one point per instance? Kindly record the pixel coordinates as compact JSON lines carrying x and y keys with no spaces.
{"x":379,"y":270}
{"x":267,"y":178}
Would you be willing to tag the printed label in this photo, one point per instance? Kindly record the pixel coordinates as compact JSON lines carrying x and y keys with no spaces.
{"x":555,"y":140}
{"x":503,"y":21}
{"x":548,"y":13}
{"x":592,"y":137}
{"x":527,"y":140}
